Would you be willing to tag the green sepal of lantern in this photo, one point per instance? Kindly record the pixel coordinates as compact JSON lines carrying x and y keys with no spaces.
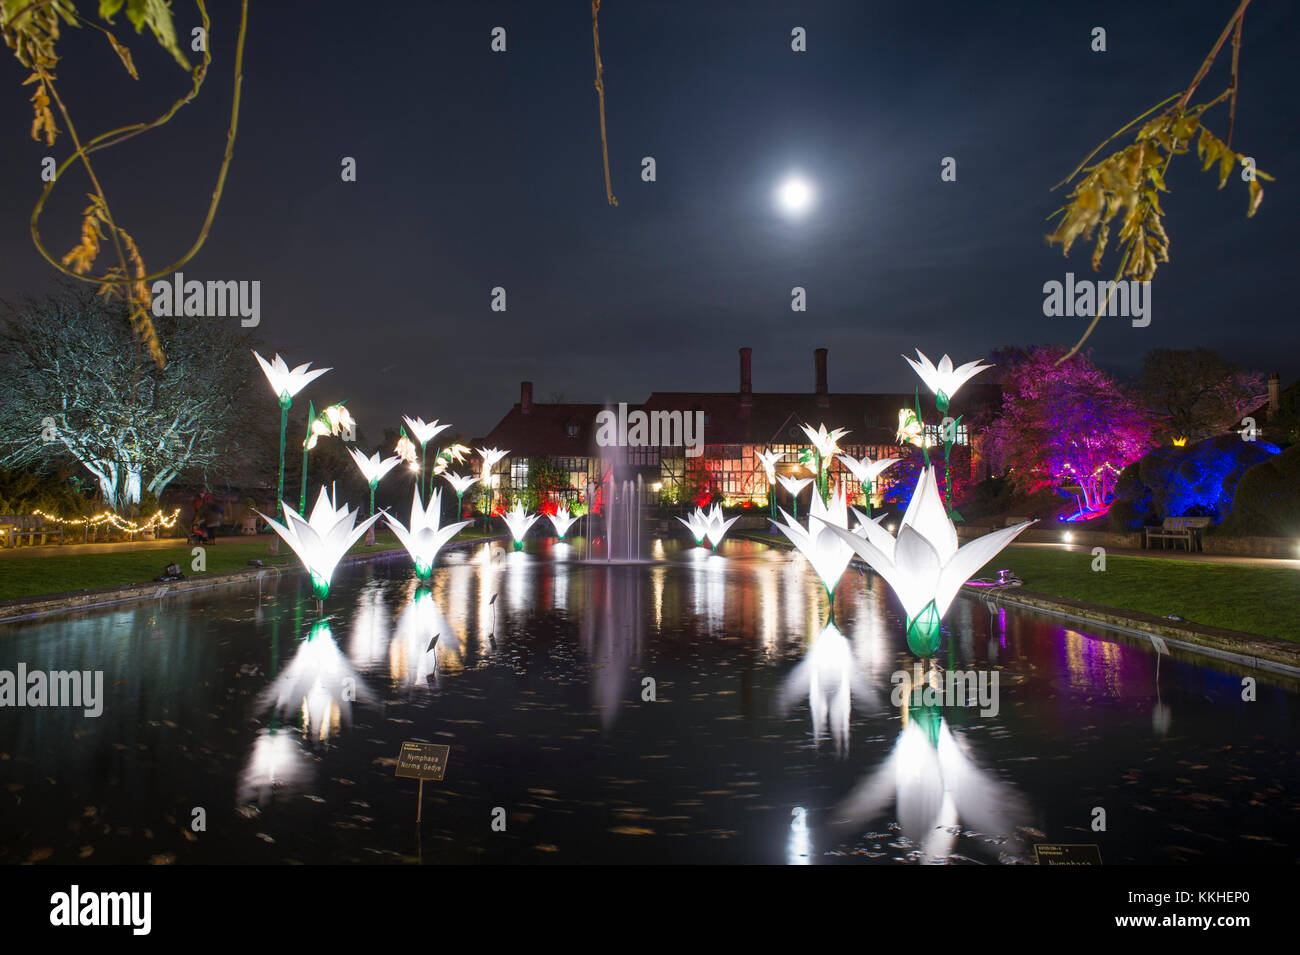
{"x":423,"y":569}
{"x":320,"y":587}
{"x":519,"y":545}
{"x":941,"y":400}
{"x":923,"y":631}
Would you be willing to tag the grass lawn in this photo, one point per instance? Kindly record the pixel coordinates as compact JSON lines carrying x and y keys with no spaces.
{"x":1250,"y":599}
{"x":54,"y":574}
{"x":1241,"y":597}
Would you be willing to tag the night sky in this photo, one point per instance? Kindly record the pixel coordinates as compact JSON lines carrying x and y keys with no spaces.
{"x":479,"y":169}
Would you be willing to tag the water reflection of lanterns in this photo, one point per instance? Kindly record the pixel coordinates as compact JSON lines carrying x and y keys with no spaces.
{"x":936,"y":787}
{"x":413,"y":652}
{"x":828,"y":678}
{"x":319,"y":684}
{"x":799,"y":848}
{"x":276,"y":762}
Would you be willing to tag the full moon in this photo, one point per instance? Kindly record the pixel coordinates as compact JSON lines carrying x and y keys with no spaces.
{"x":794,"y":195}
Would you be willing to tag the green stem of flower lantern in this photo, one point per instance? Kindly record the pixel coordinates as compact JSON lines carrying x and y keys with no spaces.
{"x":420,"y":483}
{"x":868,"y":494}
{"x":285,"y":401}
{"x":925,"y":448}
{"x":302,"y":494}
{"x":947,"y":477}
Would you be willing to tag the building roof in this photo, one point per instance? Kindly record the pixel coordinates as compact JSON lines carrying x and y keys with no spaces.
{"x":544,"y":430}
{"x":733,"y":417}
{"x":775,"y":417}
{"x":769,"y":418}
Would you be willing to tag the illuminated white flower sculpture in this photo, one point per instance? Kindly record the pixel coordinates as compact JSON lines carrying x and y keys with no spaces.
{"x":405,"y":449}
{"x":321,"y":542}
{"x":769,"y":459}
{"x":866,"y":470}
{"x":718,"y":526}
{"x":923,"y":564}
{"x":826,"y":442}
{"x":373,"y":469}
{"x":827,"y":553}
{"x":424,"y":537}
{"x":697,"y":522}
{"x":910,"y":429}
{"x":519,"y":520}
{"x":944,"y":380}
{"x":562,"y":520}
{"x":334,"y":420}
{"x":423,"y":433}
{"x":460,"y":483}
{"x":795,"y":487}
{"x":285,"y":383}
{"x":490,"y":458}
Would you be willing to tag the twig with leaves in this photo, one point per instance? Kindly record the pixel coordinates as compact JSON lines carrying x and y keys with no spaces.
{"x":1129,"y":180}
{"x":600,"y":95}
{"x":31,"y":29}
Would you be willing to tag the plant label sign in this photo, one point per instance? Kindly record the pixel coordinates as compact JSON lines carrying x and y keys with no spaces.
{"x":423,"y":760}
{"x":1067,"y":854}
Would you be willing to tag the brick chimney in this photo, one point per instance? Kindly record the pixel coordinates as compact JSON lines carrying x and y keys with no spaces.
{"x":525,"y":397}
{"x":746,"y":383}
{"x":1274,"y":394}
{"x":819,"y":360}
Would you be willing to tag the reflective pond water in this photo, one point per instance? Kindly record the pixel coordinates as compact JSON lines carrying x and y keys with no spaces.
{"x":694,"y":709}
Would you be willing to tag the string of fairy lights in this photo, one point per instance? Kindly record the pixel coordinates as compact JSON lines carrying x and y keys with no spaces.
{"x":121,"y":523}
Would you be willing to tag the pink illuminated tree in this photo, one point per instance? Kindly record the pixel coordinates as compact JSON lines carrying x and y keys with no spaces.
{"x":1066,"y":424}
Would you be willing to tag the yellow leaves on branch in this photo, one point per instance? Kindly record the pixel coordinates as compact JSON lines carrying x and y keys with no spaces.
{"x":1211,"y":149}
{"x":95,"y":219}
{"x":43,"y":124}
{"x":1126,"y":185}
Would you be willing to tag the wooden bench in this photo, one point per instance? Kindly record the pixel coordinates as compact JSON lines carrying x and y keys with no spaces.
{"x":1184,"y":529}
{"x":15,"y":527}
